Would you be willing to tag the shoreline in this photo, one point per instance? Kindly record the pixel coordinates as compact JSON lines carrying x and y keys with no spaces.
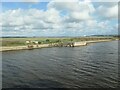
{"x":14,"y":48}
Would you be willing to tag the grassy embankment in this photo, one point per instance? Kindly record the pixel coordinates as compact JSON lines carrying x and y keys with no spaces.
{"x":21,"y":41}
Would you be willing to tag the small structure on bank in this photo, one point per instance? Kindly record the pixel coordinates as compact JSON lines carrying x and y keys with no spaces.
{"x":63,"y":44}
{"x":80,"y":44}
{"x":35,"y":43}
{"x":68,"y":44}
{"x":31,"y":44}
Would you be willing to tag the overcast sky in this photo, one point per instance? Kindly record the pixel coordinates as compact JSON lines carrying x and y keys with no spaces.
{"x":53,"y":18}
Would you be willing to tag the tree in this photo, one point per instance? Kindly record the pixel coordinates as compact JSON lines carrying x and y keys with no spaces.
{"x":58,"y":41}
{"x":39,"y":42}
{"x":71,"y":39}
{"x":47,"y":40}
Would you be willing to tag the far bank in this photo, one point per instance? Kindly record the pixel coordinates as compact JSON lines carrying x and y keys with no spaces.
{"x":73,"y":44}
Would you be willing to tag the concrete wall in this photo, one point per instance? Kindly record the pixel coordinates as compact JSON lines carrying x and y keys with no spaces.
{"x":79,"y":43}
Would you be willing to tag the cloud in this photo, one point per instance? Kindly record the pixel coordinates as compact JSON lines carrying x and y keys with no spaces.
{"x":30,"y":1}
{"x":20,"y":20}
{"x":109,"y":11}
{"x":60,"y":18}
{"x":80,"y":10}
{"x":91,"y":23}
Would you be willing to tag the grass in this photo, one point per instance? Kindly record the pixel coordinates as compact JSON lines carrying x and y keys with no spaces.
{"x":21,"y":41}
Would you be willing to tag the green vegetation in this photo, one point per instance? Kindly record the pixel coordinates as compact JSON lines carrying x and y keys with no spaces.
{"x":21,"y":41}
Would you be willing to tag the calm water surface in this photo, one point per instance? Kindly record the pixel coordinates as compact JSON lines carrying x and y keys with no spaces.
{"x":95,"y":65}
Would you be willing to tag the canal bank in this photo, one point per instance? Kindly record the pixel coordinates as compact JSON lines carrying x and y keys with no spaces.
{"x":25,"y":47}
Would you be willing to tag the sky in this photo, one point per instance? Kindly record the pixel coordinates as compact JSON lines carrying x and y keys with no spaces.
{"x":53,"y":18}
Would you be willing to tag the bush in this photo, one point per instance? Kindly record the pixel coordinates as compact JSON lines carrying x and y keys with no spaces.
{"x":39,"y":42}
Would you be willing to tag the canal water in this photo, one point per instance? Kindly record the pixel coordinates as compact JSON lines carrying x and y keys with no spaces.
{"x":92,"y":66}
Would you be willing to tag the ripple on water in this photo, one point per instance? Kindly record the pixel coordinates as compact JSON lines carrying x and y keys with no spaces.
{"x":94,"y":65}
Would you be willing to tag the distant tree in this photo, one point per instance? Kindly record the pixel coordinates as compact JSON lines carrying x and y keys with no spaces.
{"x":58,"y":41}
{"x":39,"y":42}
{"x":47,"y":40}
{"x":71,"y":39}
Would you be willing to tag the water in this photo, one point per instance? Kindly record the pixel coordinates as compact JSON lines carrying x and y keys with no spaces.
{"x":95,"y":65}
